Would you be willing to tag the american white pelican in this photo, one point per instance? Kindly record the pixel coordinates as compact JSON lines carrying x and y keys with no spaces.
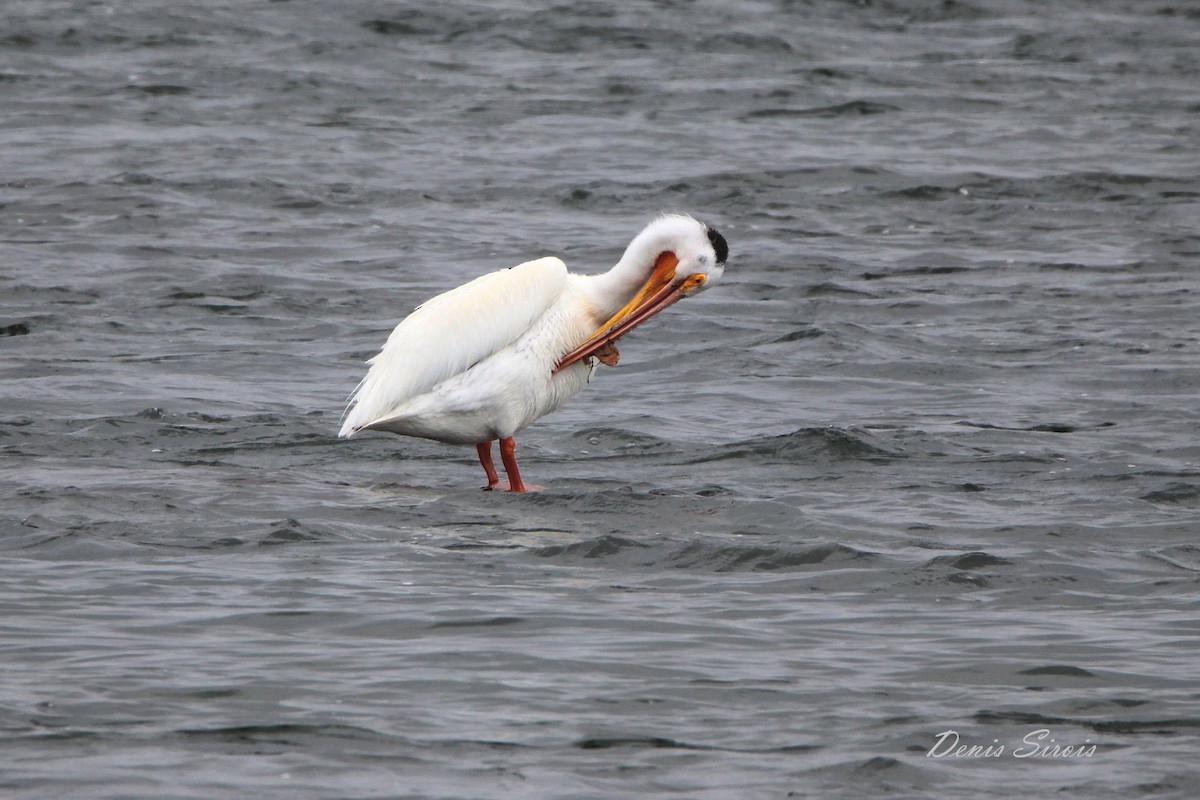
{"x":482,"y":361}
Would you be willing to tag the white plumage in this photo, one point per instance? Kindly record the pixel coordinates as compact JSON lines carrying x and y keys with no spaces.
{"x":482,"y":361}
{"x":447,"y":335}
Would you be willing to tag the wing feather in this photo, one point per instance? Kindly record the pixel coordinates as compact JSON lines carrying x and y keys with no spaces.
{"x":451,"y":332}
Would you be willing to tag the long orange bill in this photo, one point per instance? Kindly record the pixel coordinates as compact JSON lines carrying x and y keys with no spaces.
{"x":666,"y":296}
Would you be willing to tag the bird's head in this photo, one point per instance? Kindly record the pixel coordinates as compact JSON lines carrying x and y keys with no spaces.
{"x":678,"y":251}
{"x":675,"y":256}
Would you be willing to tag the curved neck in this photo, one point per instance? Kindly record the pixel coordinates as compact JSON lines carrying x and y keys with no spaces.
{"x":613,"y":289}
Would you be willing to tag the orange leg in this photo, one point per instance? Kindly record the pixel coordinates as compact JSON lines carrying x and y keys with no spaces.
{"x":507,"y":446}
{"x":484,"y":449}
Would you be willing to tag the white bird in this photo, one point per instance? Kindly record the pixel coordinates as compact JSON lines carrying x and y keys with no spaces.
{"x":481,"y":362}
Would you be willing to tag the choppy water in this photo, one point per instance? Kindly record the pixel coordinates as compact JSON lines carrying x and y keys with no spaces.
{"x":927,"y":460}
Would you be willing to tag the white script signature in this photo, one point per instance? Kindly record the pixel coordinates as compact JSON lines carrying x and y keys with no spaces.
{"x":1035,"y":744}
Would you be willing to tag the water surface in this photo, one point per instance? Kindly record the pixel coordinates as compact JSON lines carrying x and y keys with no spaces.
{"x":925,"y":460}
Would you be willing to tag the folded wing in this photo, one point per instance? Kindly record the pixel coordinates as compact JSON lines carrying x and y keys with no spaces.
{"x":452,"y":332}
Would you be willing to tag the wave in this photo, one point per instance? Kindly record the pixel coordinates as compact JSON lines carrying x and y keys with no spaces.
{"x":704,"y":555}
{"x":836,"y":443}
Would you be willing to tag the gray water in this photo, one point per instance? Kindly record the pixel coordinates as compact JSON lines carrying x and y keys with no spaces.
{"x":926,"y":460}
